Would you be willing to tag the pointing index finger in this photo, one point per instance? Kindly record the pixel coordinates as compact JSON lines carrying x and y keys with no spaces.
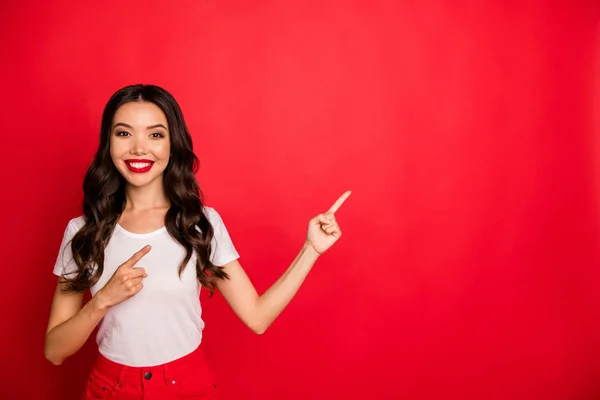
{"x":338,"y":203}
{"x":138,"y":256}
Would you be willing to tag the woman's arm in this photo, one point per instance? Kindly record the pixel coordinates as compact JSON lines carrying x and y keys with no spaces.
{"x":259,"y":312}
{"x":70,"y":324}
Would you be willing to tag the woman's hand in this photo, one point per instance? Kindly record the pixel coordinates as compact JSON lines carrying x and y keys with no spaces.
{"x":126,"y":282}
{"x":323,"y":230}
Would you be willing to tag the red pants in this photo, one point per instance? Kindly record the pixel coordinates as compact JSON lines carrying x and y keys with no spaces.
{"x":188,"y":377}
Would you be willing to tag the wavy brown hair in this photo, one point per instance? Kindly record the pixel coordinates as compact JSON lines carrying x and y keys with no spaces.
{"x":104,"y":196}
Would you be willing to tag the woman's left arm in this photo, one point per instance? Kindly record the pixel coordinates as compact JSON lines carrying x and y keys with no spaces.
{"x":259,"y":312}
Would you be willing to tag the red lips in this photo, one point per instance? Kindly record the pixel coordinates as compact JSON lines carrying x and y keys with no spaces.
{"x":139,"y":166}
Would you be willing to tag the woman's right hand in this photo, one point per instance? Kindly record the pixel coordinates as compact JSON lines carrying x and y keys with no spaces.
{"x":126,"y":282}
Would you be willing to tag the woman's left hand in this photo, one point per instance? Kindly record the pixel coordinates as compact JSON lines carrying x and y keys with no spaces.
{"x":323,"y":230}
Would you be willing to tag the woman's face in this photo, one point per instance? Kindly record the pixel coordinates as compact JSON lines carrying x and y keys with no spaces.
{"x":140,"y":145}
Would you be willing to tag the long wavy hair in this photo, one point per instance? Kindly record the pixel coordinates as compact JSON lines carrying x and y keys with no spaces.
{"x":104,"y":196}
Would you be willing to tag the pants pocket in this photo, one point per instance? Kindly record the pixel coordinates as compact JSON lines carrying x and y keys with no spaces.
{"x":199,"y":383}
{"x":98,"y":388}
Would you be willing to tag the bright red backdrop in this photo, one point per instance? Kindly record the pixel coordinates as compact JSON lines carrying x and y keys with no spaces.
{"x":469,"y":265}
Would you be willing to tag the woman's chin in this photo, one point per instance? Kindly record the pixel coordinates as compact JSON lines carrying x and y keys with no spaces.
{"x":139,"y":181}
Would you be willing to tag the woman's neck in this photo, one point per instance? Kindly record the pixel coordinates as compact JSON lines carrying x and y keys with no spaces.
{"x":145,"y":197}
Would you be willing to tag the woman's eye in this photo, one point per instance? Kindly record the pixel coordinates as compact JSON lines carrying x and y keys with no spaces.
{"x":157,"y":135}
{"x":122,"y":133}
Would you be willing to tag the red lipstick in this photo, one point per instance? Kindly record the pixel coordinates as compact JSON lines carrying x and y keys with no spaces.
{"x":139,"y":166}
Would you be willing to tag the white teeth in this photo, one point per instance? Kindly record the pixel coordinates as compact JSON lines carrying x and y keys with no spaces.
{"x":140,"y":165}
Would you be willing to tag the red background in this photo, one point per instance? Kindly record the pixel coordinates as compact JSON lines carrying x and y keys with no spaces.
{"x":469,"y":264}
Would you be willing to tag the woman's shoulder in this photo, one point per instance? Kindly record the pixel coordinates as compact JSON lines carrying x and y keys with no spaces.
{"x":212,"y":214}
{"x":214,"y":217}
{"x":75,"y":224}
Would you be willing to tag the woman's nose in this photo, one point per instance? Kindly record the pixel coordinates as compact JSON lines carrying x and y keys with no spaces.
{"x":139,"y":147}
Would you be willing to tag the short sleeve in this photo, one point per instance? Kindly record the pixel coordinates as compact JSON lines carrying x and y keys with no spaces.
{"x":65,"y":264}
{"x":222,"y":249}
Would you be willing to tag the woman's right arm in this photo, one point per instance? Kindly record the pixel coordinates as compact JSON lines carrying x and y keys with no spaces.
{"x":70,"y":324}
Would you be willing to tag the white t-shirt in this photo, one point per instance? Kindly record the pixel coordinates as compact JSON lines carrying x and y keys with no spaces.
{"x":163,"y":321}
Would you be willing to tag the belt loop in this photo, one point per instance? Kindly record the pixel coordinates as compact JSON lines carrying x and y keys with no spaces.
{"x":169,"y":379}
{"x":165,"y":372}
{"x":121,"y":374}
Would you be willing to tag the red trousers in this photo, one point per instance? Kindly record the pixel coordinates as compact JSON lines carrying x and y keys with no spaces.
{"x":188,"y":377}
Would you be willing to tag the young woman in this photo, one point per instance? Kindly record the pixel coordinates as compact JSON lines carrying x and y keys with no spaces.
{"x":144,"y":246}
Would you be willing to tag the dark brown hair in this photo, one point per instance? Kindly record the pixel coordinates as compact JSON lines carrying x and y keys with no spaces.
{"x":104,"y":196}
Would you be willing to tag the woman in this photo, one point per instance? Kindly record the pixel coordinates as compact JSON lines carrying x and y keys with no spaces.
{"x":144,"y":246}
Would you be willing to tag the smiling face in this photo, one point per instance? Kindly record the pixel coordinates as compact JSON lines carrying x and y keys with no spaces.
{"x":140,"y":144}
